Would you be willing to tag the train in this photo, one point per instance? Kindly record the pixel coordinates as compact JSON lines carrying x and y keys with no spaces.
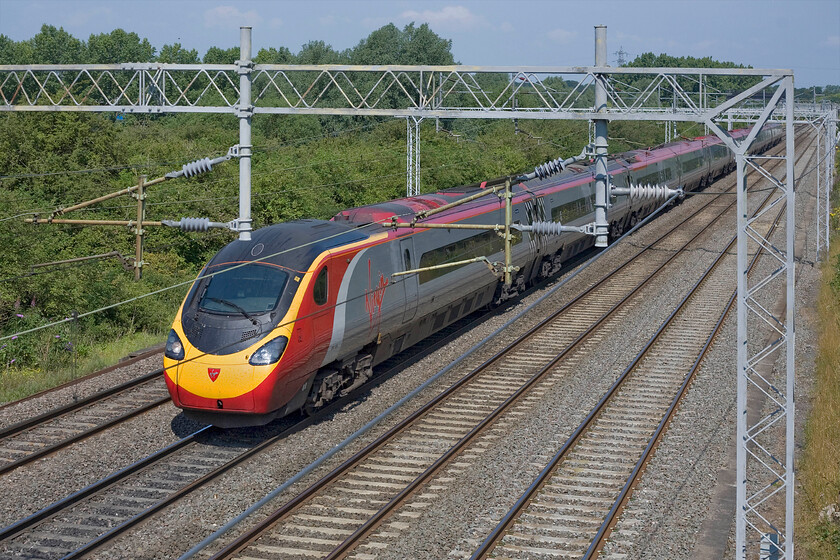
{"x":300,"y":314}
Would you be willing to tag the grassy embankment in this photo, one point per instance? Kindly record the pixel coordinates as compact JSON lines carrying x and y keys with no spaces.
{"x":819,"y":467}
{"x":19,"y":383}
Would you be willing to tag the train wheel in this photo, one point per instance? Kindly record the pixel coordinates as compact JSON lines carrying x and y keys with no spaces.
{"x":615,"y":231}
{"x":324,"y":389}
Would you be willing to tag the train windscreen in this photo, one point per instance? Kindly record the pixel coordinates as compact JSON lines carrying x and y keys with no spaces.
{"x":250,"y":289}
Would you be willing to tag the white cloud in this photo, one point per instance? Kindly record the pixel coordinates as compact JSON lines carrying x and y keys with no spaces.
{"x":832,"y":41}
{"x":449,"y":16}
{"x":562,"y":36}
{"x":225,"y":16}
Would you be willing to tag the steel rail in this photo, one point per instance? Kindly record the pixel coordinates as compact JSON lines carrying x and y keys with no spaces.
{"x":626,"y":491}
{"x":245,"y":539}
{"x":396,"y":502}
{"x":109,"y":369}
{"x":56,"y":412}
{"x":18,"y":527}
{"x":43,"y":452}
{"x":373,"y":522}
{"x":97,"y":488}
{"x":638,"y":470}
{"x":198,"y":483}
{"x":180,"y":493}
{"x":500,"y":530}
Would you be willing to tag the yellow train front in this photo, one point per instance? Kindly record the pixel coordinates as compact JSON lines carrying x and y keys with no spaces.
{"x":250,"y":332}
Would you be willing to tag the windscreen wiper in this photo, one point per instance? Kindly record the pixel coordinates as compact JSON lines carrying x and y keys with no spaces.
{"x":233,"y":305}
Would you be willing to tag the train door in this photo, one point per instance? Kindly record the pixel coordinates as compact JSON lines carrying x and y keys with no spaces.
{"x":323,"y":290}
{"x":409,"y":281}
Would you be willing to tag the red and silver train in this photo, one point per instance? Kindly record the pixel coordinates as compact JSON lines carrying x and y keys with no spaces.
{"x":301,"y":313}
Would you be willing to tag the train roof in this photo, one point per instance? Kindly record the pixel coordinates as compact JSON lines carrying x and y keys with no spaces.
{"x":407,"y":208}
{"x":293,"y":245}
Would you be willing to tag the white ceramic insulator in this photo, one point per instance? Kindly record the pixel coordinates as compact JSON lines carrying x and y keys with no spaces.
{"x":196,"y":167}
{"x":195,"y":224}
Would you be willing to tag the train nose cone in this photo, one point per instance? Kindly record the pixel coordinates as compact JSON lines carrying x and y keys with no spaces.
{"x":206,"y":381}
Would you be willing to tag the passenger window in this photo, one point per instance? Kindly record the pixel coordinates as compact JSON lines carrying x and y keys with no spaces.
{"x":319,"y":291}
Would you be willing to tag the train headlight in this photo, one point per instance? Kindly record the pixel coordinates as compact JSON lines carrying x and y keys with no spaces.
{"x":174,"y":348}
{"x":269,"y":352}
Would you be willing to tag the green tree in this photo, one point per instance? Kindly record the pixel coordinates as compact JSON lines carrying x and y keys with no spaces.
{"x":412,"y":45}
{"x":272,"y":55}
{"x":424,"y":46}
{"x":176,"y":54}
{"x":118,"y":46}
{"x":318,"y":52}
{"x":215,"y":55}
{"x":383,"y":46}
{"x":390,"y":45}
{"x":56,"y":46}
{"x":283,"y":128}
{"x":723,"y":84}
{"x":14,"y":52}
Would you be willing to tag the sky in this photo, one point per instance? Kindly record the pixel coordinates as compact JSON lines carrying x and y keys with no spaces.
{"x":803,"y":35}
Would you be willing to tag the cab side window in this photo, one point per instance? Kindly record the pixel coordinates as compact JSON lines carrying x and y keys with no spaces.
{"x":319,"y":291}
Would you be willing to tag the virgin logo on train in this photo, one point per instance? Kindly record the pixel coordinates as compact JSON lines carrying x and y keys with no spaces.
{"x":374,"y":296}
{"x":213,"y":372}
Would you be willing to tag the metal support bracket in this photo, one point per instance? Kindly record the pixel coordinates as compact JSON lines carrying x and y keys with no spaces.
{"x":244,"y":67}
{"x":245,"y":112}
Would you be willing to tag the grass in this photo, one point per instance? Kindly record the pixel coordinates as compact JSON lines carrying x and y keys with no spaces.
{"x":819,"y":467}
{"x":17,"y":383}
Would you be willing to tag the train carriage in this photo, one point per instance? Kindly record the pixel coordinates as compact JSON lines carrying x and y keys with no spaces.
{"x":302,"y":312}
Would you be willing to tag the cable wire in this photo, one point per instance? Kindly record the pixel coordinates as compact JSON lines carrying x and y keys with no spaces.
{"x":186,"y":282}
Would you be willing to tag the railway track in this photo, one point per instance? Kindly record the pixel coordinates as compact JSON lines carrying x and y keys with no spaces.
{"x":367,"y":501}
{"x":57,"y":429}
{"x":98,"y":514}
{"x":141,"y":490}
{"x":570,"y":508}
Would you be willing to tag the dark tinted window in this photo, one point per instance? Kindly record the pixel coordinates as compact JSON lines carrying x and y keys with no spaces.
{"x":649,"y":179}
{"x":319,"y":291}
{"x":695,"y":162}
{"x":719,"y":151}
{"x":569,"y":211}
{"x":253,"y":288}
{"x":483,"y":244}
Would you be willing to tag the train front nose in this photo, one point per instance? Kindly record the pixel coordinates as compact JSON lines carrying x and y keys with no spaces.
{"x":208,"y":382}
